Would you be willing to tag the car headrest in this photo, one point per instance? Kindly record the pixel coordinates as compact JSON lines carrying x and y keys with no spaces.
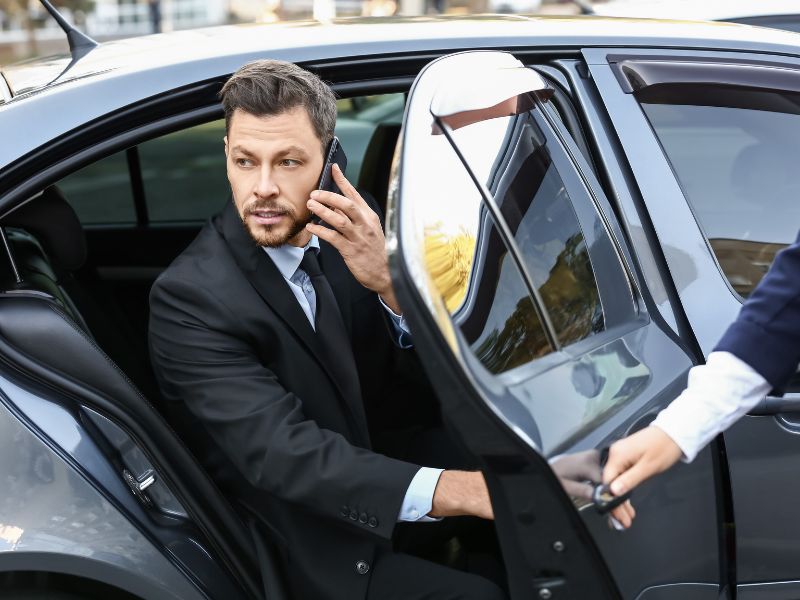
{"x":53,"y":222}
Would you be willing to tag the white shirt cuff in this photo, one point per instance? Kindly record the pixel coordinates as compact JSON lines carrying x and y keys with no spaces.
{"x":401,"y":330}
{"x":419,"y":496}
{"x":717,"y":395}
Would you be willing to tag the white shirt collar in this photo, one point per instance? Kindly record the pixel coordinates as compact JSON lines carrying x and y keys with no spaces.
{"x":287,"y":257}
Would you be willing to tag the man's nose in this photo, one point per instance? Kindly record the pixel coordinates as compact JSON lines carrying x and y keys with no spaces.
{"x":266,"y":186}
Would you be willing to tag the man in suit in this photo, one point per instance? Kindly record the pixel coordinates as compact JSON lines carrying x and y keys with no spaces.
{"x":759,"y":352}
{"x":269,"y":333}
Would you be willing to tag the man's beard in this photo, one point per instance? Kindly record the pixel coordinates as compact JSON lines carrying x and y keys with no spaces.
{"x":270,"y":235}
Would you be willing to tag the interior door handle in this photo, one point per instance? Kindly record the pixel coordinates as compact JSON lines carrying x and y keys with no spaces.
{"x":774,"y":405}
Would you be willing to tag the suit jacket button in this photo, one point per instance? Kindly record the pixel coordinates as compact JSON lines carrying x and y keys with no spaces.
{"x":353,"y":515}
{"x":373,"y":522}
{"x":362,"y":518}
{"x":362,"y":567}
{"x":344,"y":511}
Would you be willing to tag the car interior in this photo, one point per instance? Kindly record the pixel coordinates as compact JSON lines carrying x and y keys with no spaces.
{"x":82,"y":254}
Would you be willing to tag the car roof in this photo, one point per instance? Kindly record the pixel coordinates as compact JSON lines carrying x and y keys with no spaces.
{"x":53,"y":96}
{"x":692,"y":9}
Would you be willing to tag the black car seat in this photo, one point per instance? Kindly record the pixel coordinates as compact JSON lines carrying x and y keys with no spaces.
{"x":51,"y":331}
{"x":377,"y":164}
{"x":48,"y":246}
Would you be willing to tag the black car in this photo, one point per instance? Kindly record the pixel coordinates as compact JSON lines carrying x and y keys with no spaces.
{"x":562,"y":266}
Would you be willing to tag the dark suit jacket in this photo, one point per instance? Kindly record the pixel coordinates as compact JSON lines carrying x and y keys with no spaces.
{"x":245,"y":383}
{"x":766,"y":334}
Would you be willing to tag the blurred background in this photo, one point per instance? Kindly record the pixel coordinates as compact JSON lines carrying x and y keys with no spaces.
{"x":27,"y":31}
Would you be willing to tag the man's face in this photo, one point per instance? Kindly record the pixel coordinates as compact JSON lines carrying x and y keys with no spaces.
{"x":273,"y":164}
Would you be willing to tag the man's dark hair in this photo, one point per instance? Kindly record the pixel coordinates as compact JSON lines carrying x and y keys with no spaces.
{"x":266,"y":88}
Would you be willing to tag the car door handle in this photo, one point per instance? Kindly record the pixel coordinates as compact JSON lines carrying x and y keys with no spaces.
{"x":775,"y":405}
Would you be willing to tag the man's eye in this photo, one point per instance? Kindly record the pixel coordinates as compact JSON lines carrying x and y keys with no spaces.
{"x":243,"y":162}
{"x":290,"y":162}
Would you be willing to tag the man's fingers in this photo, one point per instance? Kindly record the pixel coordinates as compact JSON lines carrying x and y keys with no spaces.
{"x":577,"y":489}
{"x":344,"y":185}
{"x":349,"y":207}
{"x":333,"y":237}
{"x":335,"y":219}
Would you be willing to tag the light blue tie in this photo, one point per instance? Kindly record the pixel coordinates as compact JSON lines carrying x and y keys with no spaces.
{"x":302,"y":279}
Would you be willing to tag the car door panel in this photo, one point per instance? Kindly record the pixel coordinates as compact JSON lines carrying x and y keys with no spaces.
{"x":575,"y":398}
{"x":762,"y":451}
{"x":681,"y":509}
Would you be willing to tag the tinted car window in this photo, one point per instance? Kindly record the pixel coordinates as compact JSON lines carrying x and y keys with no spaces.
{"x":738,"y":170}
{"x":501,"y":323}
{"x":101,"y":192}
{"x":465,"y":259}
{"x":511,"y":157}
{"x":184,"y":173}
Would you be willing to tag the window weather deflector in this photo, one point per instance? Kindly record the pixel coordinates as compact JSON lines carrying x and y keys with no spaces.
{"x":642,"y":76}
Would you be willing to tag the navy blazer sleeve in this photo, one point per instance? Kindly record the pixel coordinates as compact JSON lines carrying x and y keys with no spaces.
{"x":766,"y":334}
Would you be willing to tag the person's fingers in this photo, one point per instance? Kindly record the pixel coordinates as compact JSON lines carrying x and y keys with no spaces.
{"x":337,"y":220}
{"x":333,"y":237}
{"x":643,"y":469}
{"x":576,"y":489}
{"x":621,"y":456}
{"x":578,"y":466}
{"x":347,"y":188}
{"x":624,"y":513}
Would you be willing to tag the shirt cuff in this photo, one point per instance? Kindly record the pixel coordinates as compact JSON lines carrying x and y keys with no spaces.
{"x":419,"y":496}
{"x":401,"y":330}
{"x":717,"y":395}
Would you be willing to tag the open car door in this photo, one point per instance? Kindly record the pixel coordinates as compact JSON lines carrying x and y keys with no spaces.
{"x":535,"y":331}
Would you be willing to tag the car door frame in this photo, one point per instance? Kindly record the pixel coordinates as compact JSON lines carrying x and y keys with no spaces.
{"x":456,"y":407}
{"x":766,"y":434}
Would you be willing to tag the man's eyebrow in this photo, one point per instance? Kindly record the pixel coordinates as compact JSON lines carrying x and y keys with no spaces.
{"x":242,"y":150}
{"x":293,"y":150}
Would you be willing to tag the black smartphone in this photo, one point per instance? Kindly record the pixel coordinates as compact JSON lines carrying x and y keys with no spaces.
{"x":334,"y":155}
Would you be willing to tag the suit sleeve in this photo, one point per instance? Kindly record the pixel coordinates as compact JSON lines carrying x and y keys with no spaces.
{"x":203,"y":358}
{"x":766,"y":334}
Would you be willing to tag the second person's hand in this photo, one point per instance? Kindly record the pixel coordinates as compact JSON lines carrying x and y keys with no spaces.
{"x":636,"y":458}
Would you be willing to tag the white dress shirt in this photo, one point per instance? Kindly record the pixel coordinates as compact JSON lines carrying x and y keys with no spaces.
{"x":418,"y":500}
{"x":717,"y":395}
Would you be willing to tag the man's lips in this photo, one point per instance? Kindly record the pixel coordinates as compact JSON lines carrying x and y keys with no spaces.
{"x":266,"y":217}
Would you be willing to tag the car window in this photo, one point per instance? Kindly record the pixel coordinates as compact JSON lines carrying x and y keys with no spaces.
{"x":738,"y":170}
{"x":183,"y":173}
{"x":101,"y":192}
{"x":510,"y":156}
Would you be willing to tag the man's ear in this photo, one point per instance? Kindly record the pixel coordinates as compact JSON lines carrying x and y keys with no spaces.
{"x":225,"y":139}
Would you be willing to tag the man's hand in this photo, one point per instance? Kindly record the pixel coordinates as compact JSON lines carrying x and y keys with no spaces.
{"x":638,"y":457}
{"x":578,"y":474}
{"x":356,"y":234}
{"x":461,"y":493}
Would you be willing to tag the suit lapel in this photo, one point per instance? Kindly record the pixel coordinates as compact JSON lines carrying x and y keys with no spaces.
{"x":267,"y":280}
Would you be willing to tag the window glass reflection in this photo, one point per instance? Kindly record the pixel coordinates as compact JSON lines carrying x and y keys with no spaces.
{"x":738,"y":170}
{"x":510,"y":155}
{"x":499,"y":320}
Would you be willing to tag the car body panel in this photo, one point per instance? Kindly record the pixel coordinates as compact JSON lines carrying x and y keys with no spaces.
{"x":186,"y":57}
{"x":606,"y":385}
{"x":707,"y":10}
{"x":766,"y":537}
{"x":51,"y":513}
